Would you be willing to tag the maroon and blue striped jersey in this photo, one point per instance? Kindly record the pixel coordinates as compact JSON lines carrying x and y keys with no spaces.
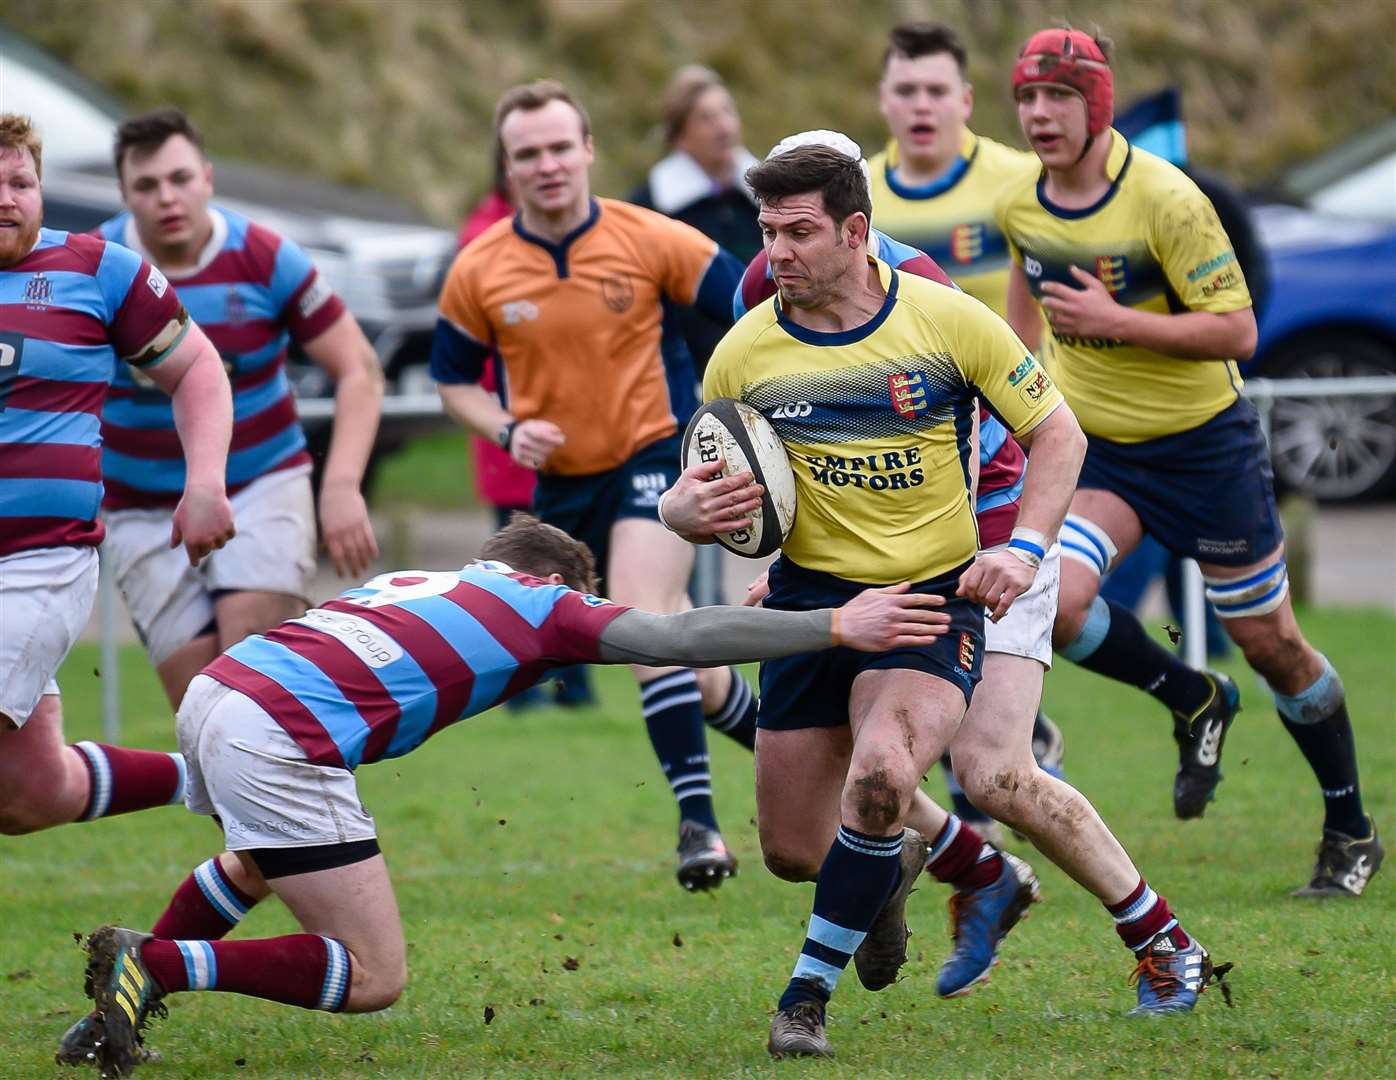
{"x":69,"y":310}
{"x":252,"y":292}
{"x":378,"y":670}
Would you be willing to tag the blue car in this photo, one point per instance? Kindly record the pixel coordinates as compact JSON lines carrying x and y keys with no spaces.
{"x":1320,"y":257}
{"x":1331,"y":313}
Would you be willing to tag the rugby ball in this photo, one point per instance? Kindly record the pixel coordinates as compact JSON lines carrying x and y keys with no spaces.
{"x":745,"y":440}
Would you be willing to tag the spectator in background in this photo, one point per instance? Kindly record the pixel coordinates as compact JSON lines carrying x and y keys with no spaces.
{"x":702,"y":183}
{"x":501,"y":483}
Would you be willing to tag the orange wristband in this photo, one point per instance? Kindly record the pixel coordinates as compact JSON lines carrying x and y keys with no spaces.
{"x":834,"y":627}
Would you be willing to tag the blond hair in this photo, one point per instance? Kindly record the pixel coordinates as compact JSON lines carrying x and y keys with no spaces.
{"x":17,"y":132}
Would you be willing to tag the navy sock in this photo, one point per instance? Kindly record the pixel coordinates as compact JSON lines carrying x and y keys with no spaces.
{"x":673,"y":710}
{"x":1113,"y":643}
{"x":1317,"y":719}
{"x":737,"y":717}
{"x":858,"y":875}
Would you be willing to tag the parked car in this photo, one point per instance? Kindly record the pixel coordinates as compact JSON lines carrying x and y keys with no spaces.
{"x":382,"y":256}
{"x":1331,"y":313}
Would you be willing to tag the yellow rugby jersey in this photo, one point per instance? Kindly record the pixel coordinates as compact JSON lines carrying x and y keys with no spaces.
{"x":1155,"y":241}
{"x":952,"y":219}
{"x":877,"y":422}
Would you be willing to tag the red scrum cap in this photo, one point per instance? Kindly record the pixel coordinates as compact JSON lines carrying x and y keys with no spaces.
{"x":1070,"y":58}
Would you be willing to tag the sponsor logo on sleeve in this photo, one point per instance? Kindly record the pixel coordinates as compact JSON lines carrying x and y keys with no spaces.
{"x":1225,"y":280}
{"x":157,"y":283}
{"x":314,"y":297}
{"x":1032,"y":267}
{"x":1197,"y":273}
{"x":594,"y":601}
{"x":1022,"y":371}
{"x":1036,"y":388}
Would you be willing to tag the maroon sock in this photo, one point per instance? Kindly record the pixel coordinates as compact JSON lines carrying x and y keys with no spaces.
{"x":1142,"y":916}
{"x":300,"y":969}
{"x":125,"y":780}
{"x":205,"y":906}
{"x":959,"y":856}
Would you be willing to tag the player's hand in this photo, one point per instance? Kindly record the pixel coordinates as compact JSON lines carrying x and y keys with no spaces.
{"x":203,"y":522}
{"x":758,"y":590}
{"x":890,"y":618}
{"x":703,"y":502}
{"x":534,"y":441}
{"x":996,"y":580}
{"x":345,"y":529}
{"x":1087,"y":311}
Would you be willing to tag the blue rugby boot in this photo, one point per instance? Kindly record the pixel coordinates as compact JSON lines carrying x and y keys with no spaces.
{"x":1200,"y":738}
{"x":1048,"y":746}
{"x":979,"y":920}
{"x":1170,"y":979}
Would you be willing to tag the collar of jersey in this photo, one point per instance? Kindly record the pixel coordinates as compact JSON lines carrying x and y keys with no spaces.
{"x":969,"y":150}
{"x":559,"y":250}
{"x":844,"y":337}
{"x":1116,"y":165}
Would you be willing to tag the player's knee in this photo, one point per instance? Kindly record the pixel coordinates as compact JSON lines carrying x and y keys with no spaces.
{"x":26,"y":803}
{"x":1274,"y":651}
{"x":874,"y":793}
{"x":377,"y":987}
{"x":789,"y":865}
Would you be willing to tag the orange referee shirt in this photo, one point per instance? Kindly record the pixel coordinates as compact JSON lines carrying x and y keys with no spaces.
{"x":578,"y":325}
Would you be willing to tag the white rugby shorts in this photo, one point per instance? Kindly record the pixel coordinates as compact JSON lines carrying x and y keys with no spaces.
{"x":244,"y":767}
{"x":46,"y":598}
{"x":171,"y":602}
{"x":1026,"y":630}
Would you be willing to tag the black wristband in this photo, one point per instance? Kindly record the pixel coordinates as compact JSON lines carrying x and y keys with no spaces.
{"x":506,"y":434}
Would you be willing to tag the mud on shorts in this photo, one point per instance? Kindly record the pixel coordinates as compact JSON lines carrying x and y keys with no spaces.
{"x":291,"y":815}
{"x":811,"y":689}
{"x":1206,"y":494}
{"x":171,"y":602}
{"x":46,"y":597}
{"x":587,"y":506}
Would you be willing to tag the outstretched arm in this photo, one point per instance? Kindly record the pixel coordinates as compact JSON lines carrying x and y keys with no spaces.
{"x":874,"y":621}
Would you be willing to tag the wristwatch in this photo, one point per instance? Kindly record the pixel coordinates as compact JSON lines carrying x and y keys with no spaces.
{"x":506,"y":432}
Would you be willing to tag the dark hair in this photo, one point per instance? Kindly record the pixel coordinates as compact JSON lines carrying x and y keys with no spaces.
{"x":535,"y":95}
{"x":148,"y":132}
{"x":915,"y":39}
{"x":805,"y":169}
{"x":531,"y":547}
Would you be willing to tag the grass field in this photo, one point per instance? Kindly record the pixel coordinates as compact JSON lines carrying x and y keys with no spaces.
{"x":531,"y":857}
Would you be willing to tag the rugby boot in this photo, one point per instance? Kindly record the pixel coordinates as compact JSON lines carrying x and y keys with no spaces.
{"x":1200,"y":738}
{"x":704,"y":861}
{"x":1345,"y":864}
{"x":883,"y":951}
{"x":79,"y":1044}
{"x":1170,"y":979}
{"x":979,"y":920}
{"x":799,"y":1032}
{"x":125,"y":996}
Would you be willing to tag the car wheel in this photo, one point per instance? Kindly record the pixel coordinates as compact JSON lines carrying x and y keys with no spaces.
{"x":1334,"y":448}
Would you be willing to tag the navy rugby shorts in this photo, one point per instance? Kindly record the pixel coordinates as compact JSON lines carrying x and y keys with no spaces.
{"x":1206,"y":494}
{"x":811,"y":689}
{"x":587,"y":506}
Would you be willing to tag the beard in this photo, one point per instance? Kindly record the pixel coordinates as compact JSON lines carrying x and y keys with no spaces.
{"x":15,"y":244}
